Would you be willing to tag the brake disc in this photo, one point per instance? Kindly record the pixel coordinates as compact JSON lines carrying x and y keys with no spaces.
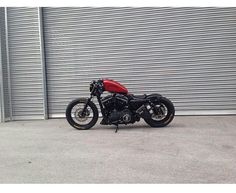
{"x":79,"y":116}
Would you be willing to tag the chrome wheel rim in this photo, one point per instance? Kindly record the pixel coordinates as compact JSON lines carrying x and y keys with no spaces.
{"x":76,"y":114}
{"x":162,"y":112}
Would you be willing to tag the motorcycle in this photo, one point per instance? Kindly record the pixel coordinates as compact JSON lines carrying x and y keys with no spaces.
{"x":119,"y":107}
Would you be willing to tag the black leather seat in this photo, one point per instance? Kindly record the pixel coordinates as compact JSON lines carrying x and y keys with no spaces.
{"x":144,"y":96}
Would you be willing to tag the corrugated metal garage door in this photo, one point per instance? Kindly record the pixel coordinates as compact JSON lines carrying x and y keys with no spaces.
{"x":25,"y":63}
{"x":186,"y":54}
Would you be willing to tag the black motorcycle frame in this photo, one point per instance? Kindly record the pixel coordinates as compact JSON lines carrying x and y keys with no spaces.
{"x":96,"y":89}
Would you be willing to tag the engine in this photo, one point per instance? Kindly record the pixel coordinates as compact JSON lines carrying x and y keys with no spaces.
{"x":117,"y":109}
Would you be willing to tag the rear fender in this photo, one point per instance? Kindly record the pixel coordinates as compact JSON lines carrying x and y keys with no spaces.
{"x":154,"y":98}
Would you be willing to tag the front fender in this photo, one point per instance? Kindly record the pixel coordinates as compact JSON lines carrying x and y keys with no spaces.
{"x":82,"y":99}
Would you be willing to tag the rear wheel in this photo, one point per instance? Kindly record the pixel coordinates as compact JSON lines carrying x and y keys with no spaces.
{"x":162,"y":115}
{"x":76,"y":119}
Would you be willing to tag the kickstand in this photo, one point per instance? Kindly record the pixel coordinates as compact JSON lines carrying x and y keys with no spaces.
{"x":116,"y":128}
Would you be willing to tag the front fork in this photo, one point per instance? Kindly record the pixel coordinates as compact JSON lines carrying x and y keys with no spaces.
{"x":100,"y":104}
{"x":83,"y":113}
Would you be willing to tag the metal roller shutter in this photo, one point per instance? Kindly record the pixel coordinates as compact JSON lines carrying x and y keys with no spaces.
{"x":186,"y":54}
{"x":25,"y":63}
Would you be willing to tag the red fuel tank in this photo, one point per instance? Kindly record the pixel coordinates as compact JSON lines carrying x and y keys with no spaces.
{"x":113,"y":86}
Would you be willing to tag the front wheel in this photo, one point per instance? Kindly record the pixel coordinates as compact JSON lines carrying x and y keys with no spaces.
{"x":163,"y":113}
{"x":74,"y":114}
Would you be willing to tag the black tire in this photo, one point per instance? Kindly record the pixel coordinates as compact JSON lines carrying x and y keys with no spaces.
{"x":168,"y":118}
{"x":75,"y":124}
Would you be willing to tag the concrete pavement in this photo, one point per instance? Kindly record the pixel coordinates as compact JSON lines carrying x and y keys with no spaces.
{"x":193,"y":149}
